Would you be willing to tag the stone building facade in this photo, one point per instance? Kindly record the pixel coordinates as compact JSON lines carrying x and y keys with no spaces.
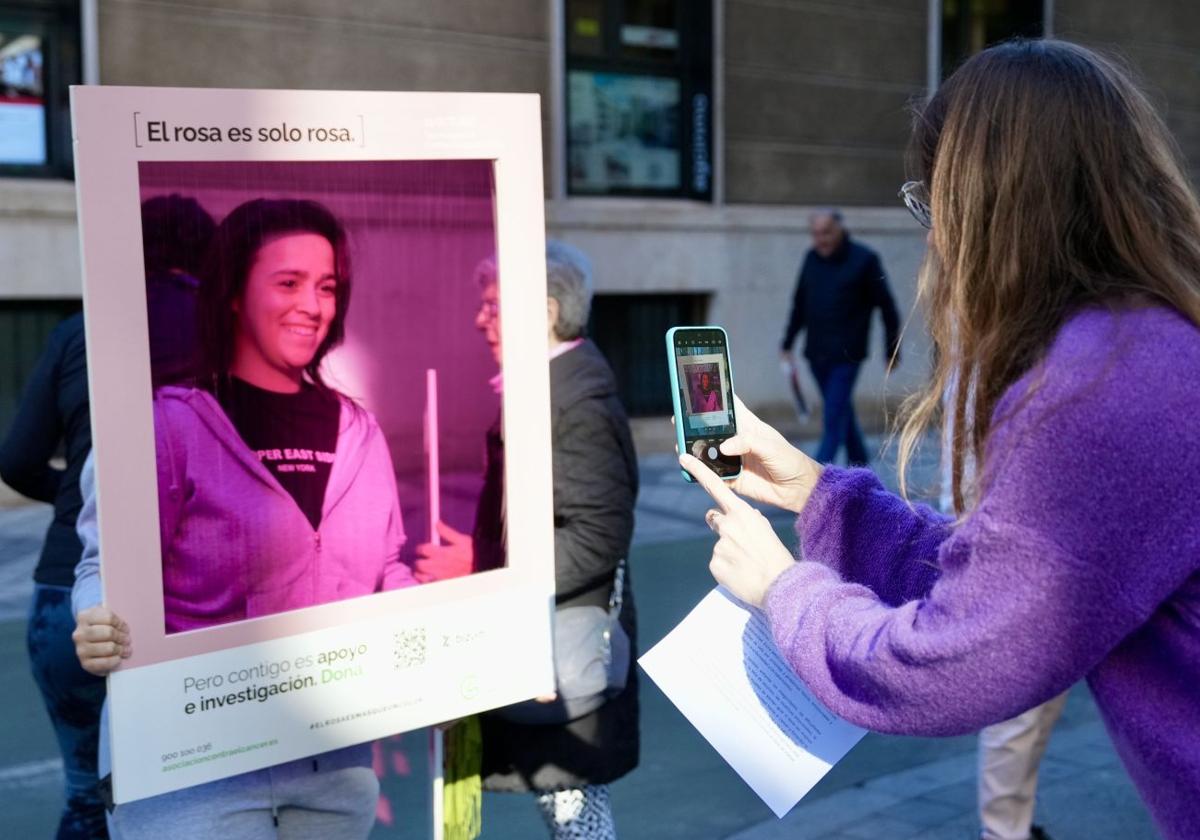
{"x":786,"y":105}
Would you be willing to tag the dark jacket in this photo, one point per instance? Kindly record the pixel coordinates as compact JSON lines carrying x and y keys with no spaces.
{"x":595,"y":487}
{"x":487,"y":537}
{"x":834,"y":299}
{"x":54,"y":410}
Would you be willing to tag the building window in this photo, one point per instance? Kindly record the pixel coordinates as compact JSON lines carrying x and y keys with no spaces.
{"x":629,"y":331}
{"x":39,"y":61}
{"x":639,"y":97}
{"x":969,"y":26}
{"x":25,"y":326}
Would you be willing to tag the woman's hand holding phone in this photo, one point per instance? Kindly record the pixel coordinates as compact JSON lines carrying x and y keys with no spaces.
{"x":773,"y":471}
{"x":101,"y":639}
{"x":749,"y":556}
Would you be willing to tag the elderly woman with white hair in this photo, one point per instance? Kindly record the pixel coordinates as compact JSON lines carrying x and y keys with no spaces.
{"x":567,"y":765}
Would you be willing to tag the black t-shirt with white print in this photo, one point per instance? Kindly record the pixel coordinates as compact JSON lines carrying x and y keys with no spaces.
{"x":293,"y":435}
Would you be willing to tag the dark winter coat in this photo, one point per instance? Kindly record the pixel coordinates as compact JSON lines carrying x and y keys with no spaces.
{"x":834,"y":299}
{"x":53,"y":416}
{"x":595,"y":487}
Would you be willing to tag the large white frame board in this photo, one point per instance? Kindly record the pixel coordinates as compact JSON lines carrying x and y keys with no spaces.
{"x":487,"y":635}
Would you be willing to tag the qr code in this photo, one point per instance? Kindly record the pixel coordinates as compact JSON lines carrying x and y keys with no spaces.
{"x":408,"y":648}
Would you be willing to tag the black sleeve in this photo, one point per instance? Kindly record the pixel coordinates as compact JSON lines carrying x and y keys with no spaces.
{"x":594,"y":496}
{"x":881,"y":296}
{"x":36,"y":430}
{"x":796,"y":319}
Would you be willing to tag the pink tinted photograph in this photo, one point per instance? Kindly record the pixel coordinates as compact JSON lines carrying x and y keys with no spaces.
{"x":704,"y":387}
{"x":324,"y":356}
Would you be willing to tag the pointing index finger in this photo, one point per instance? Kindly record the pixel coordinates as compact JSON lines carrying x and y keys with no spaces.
{"x":725,"y":498}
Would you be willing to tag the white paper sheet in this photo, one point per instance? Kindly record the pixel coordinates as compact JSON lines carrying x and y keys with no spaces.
{"x":721,"y":669}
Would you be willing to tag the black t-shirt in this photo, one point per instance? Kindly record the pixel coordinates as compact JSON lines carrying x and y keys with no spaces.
{"x":293,"y":435}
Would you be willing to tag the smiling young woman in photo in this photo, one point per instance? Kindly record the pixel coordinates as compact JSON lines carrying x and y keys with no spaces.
{"x":276,"y":492}
{"x":707,"y":398}
{"x":262,"y":453}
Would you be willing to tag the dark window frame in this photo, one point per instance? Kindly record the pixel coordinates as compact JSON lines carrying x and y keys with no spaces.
{"x":1026,"y":18}
{"x":629,"y":328}
{"x":693,"y":69}
{"x":25,"y":327}
{"x":59,"y":24}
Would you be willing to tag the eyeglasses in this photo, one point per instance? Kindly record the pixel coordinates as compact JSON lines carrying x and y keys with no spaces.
{"x":489,"y":309}
{"x":916,"y":199}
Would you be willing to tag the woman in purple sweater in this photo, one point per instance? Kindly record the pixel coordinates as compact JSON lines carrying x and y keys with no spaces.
{"x":1063,"y":284}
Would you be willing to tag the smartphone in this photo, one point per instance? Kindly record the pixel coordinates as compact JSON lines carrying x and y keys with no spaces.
{"x":702,"y":396}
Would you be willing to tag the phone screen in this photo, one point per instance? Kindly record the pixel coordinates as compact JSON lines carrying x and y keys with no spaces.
{"x":702,"y":370}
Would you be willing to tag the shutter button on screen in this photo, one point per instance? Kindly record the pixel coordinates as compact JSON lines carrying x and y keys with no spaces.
{"x":712,"y":453}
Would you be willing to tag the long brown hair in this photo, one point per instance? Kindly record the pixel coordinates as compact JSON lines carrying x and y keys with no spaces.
{"x":1054,"y":185}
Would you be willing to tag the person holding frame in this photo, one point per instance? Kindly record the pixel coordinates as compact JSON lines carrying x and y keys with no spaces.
{"x":276,"y":492}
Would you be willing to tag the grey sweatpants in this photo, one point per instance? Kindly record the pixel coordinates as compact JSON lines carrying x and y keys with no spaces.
{"x":308,"y":799}
{"x":288,"y":802}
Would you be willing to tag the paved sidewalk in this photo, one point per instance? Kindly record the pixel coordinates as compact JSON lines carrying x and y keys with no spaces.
{"x":22,"y":530}
{"x":1084,"y":792}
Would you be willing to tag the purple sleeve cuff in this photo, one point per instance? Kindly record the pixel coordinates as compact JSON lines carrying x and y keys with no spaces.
{"x":821,"y":522}
{"x":868,"y":535}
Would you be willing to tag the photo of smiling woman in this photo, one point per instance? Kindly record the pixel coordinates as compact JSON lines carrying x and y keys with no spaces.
{"x":288,"y":443}
{"x":706,"y":389}
{"x":275,"y":491}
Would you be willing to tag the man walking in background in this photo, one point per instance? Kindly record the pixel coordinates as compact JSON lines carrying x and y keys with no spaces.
{"x":840,"y":285}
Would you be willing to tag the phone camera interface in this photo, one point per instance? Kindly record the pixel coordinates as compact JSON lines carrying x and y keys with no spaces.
{"x":705,"y":398}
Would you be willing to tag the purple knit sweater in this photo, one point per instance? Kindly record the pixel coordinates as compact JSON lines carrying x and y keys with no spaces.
{"x":1081,"y":560}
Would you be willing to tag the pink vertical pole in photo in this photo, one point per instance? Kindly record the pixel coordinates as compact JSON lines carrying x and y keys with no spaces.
{"x":432,"y":468}
{"x":433,"y":494}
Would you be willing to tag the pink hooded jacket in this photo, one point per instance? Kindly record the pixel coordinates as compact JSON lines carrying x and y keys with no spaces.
{"x":236,"y":545}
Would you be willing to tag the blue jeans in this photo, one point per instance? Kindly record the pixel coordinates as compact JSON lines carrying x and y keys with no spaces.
{"x":836,"y":381}
{"x":73,"y":698}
